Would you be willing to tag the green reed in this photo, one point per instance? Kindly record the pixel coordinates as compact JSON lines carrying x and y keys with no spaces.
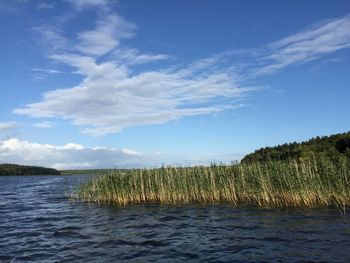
{"x":309,"y":183}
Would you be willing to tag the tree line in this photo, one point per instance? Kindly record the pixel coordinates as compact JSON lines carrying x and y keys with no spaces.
{"x":14,"y":169}
{"x":333,"y":147}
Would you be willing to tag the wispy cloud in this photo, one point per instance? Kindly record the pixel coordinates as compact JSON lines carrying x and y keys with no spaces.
{"x":82,"y":4}
{"x":46,"y":70}
{"x":22,"y":2}
{"x":41,"y":74}
{"x":132,"y":56}
{"x":11,"y":7}
{"x":69,"y":156}
{"x":51,"y":37}
{"x":307,"y":45}
{"x":45,"y":5}
{"x":44,"y":125}
{"x":106,"y":36}
{"x":109,"y":99}
{"x":4,"y":126}
{"x":112,"y":97}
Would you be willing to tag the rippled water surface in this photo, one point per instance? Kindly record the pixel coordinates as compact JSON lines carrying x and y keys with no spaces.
{"x":38,"y":224}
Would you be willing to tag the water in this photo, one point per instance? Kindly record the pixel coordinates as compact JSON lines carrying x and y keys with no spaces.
{"x":38,"y":224}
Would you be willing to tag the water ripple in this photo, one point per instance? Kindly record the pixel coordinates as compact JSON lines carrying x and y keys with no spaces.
{"x":38,"y":224}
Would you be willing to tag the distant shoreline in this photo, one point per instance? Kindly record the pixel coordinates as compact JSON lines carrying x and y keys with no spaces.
{"x":25,"y":170}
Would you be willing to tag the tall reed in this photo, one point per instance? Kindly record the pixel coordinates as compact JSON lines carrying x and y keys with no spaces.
{"x":309,"y":183}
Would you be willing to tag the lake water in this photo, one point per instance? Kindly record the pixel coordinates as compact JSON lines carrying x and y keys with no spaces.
{"x":38,"y":224}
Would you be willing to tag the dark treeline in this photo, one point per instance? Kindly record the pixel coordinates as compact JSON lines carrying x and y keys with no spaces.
{"x":333,"y":147}
{"x":14,"y":169}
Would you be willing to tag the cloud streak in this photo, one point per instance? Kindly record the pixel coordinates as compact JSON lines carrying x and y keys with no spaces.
{"x":82,"y":4}
{"x":106,"y":36}
{"x":307,"y":45}
{"x":44,"y":125}
{"x":47,"y":71}
{"x":5,"y":126}
{"x":44,"y":5}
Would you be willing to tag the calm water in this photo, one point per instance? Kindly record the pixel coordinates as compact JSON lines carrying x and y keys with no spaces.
{"x":38,"y":224}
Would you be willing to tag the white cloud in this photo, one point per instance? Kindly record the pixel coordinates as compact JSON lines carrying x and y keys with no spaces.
{"x":8,"y":125}
{"x":132,"y":56}
{"x":106,"y":36}
{"x":81,"y":4}
{"x":69,"y":156}
{"x":45,"y":5}
{"x":112,"y":97}
{"x":51,"y":37}
{"x":77,"y":156}
{"x":146,"y":58}
{"x":48,"y":71}
{"x":40,"y":74}
{"x":307,"y":45}
{"x":130,"y":152}
{"x":44,"y":124}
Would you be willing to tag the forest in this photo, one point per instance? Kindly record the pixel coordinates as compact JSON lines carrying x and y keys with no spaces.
{"x":334,"y":147}
{"x":14,"y":169}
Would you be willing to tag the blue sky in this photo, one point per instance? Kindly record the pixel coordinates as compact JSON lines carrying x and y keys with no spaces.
{"x":98,"y":83}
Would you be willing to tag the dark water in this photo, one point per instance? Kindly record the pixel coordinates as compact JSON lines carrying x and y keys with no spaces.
{"x":38,"y":224}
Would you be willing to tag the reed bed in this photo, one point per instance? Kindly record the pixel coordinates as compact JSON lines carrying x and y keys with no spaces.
{"x":307,"y":183}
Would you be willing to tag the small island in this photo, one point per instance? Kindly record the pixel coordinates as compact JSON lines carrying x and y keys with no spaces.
{"x":15,"y":169}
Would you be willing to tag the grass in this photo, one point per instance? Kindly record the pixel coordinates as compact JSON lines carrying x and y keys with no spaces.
{"x":308,"y":183}
{"x":85,"y":172}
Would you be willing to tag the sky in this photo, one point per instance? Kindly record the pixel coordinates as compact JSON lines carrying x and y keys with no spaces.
{"x":128,"y":83}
